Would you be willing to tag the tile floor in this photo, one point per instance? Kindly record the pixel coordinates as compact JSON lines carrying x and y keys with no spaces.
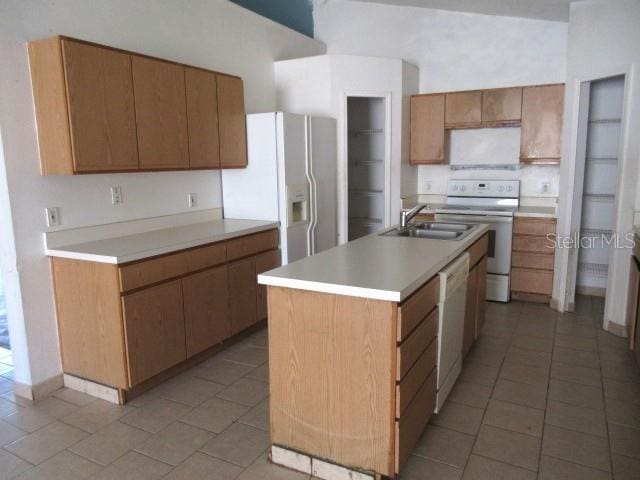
{"x":542,"y":395}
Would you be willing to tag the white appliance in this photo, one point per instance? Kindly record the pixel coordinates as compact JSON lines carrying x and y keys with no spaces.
{"x":451,"y":313}
{"x":290,"y":178}
{"x":492,"y":202}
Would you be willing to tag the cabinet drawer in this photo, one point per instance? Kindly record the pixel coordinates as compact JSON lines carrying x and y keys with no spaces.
{"x":524,"y":243}
{"x":417,"y":307}
{"x":146,"y":272}
{"x":531,"y":281}
{"x":411,"y":424}
{"x":411,"y":349}
{"x":407,"y":389}
{"x":539,"y":261}
{"x":533,"y":226}
{"x":252,"y":244}
{"x":478,"y":250}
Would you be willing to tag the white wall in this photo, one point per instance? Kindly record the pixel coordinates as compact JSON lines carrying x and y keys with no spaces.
{"x":603,"y":41}
{"x":213,"y":34}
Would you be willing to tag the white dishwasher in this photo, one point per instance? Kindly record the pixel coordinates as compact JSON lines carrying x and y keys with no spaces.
{"x":451,"y":307}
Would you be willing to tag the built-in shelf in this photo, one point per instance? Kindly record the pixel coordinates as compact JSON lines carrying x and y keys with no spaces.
{"x":367,"y":131}
{"x":606,"y":120}
{"x":367,"y":222}
{"x":365,"y":193}
{"x":594,"y":269}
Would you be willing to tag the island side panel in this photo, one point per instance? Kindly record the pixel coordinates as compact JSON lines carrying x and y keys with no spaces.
{"x":331,"y":367}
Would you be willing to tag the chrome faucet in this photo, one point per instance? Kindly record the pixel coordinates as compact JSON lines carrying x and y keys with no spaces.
{"x":406,"y":216}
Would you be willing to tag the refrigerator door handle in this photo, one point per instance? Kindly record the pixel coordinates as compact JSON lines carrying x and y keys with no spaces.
{"x":313,"y":210}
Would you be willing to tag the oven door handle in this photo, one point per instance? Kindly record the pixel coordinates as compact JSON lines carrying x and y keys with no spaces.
{"x":474,"y":218}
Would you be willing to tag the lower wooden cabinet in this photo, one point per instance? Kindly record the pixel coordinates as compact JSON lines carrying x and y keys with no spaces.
{"x":154,"y":328}
{"x":481,"y":295}
{"x":471,"y":311}
{"x":265,"y":262}
{"x":242,"y":294}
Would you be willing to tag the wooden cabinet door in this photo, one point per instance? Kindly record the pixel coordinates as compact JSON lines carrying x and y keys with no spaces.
{"x":232,"y":126}
{"x":161,"y":113}
{"x":541,"y":137}
{"x":470,"y":311}
{"x":502,"y":106}
{"x":427,"y":129}
{"x":101,"y":108}
{"x":202,"y":118}
{"x":242,"y":294}
{"x":206,"y":309}
{"x":463,"y":109}
{"x":481,"y":296}
{"x":154,"y":327}
{"x":264,"y":262}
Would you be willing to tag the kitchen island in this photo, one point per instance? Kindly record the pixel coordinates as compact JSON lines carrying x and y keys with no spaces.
{"x":353,"y":349}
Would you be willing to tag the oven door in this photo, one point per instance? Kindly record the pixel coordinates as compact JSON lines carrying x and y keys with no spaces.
{"x":500,"y":231}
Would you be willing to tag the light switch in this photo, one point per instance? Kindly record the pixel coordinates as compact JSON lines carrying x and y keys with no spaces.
{"x":53,"y":216}
{"x":192,"y":200}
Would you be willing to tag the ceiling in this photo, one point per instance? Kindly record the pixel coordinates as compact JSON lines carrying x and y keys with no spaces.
{"x":557,"y":10}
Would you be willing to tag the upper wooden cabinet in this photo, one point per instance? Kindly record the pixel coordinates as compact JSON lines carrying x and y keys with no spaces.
{"x":502,"y":106}
{"x":100,"y":109}
{"x":427,"y":129}
{"x":233,"y":131}
{"x":161,"y":113}
{"x":542,"y":109}
{"x":463,"y":109}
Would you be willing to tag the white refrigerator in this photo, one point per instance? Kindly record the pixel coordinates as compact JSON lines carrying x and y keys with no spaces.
{"x":290,"y":178}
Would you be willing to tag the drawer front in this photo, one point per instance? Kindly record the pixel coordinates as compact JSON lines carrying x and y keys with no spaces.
{"x":407,"y":389}
{"x":411,"y":349}
{"x":417,"y":307}
{"x":252,"y":244}
{"x":533,"y":226}
{"x":478,"y":250}
{"x":525,"y":280}
{"x":532,"y":244}
{"x":158,"y":269}
{"x":539,"y":261}
{"x":411,"y":424}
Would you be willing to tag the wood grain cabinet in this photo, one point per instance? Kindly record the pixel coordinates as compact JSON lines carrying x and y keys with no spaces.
{"x":502,"y":106}
{"x":427,"y":129}
{"x":100,"y":109}
{"x":542,"y":111}
{"x":242,"y":294}
{"x":463,"y":109}
{"x":476,"y":294}
{"x":265,"y":262}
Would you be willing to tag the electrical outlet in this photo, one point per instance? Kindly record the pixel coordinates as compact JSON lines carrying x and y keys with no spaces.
{"x":192,"y":200}
{"x":52,"y":216}
{"x":116,"y":195}
{"x":545,"y":187}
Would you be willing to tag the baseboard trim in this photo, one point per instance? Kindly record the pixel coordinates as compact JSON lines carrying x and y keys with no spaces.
{"x":617,"y":329}
{"x":39,"y":390}
{"x":109,"y":394}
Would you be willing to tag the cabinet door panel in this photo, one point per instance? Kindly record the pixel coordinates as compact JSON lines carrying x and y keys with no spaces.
{"x":502,"y":106}
{"x":265,"y":262}
{"x":242,"y":294}
{"x":202,"y":118}
{"x":232,"y":125}
{"x":427,"y":129}
{"x":463,"y":109}
{"x":161,"y":113}
{"x":471,"y":311}
{"x":481,"y":295}
{"x":101,"y":108}
{"x":541,"y":137}
{"x":154,"y":326}
{"x":206,"y":309}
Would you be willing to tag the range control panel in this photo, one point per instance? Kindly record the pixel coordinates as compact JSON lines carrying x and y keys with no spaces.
{"x":484,"y":188}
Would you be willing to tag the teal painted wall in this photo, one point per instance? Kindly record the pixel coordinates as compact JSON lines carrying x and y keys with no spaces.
{"x":295,"y":14}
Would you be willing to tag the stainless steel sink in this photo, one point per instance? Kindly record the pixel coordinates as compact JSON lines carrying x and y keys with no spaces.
{"x":433,"y":230}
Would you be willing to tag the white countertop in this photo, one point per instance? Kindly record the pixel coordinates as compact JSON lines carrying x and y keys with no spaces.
{"x":534,"y":211}
{"x":378,"y":267}
{"x":157,"y":242}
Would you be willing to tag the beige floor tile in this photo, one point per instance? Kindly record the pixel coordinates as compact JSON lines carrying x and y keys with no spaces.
{"x":7,"y":407}
{"x":74,"y":397}
{"x":215,"y":415}
{"x":576,"y":357}
{"x":576,"y":447}
{"x":260,"y":373}
{"x":29,"y":419}
{"x":615,"y":354}
{"x":485,"y":356}
{"x":576,"y":343}
{"x":9,"y":433}
{"x":418,"y":468}
{"x":63,"y":466}
{"x":557,"y":469}
{"x":623,"y":391}
{"x":520,"y":393}
{"x":537,"y":376}
{"x":580,"y":419}
{"x":533,"y":343}
{"x":175,"y":443}
{"x":239,"y":444}
{"x":246,"y":392}
{"x":110,"y":443}
{"x":134,"y":466}
{"x":191,"y":391}
{"x":472,"y":394}
{"x":263,"y":469}
{"x":624,"y":440}
{"x":259,"y":339}
{"x":445,"y":446}
{"x":477,"y":373}
{"x":245,"y":354}
{"x":517,"y":418}
{"x":258,"y":416}
{"x":46,"y":442}
{"x":576,"y":394}
{"x":543,"y":331}
{"x":11,"y":466}
{"x":96,"y":415}
{"x":481,"y":468}
{"x":458,"y":417}
{"x":529,"y":358}
{"x":576,"y":329}
{"x":221,"y":371}
{"x":622,"y":413}
{"x":156,"y":415}
{"x":623,"y":371}
{"x":513,"y":448}
{"x":201,"y":466}
{"x":581,"y":375}
{"x":608,"y":340}
{"x":625,"y":468}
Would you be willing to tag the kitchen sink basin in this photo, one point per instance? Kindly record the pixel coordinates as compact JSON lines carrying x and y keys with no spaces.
{"x":432,"y":230}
